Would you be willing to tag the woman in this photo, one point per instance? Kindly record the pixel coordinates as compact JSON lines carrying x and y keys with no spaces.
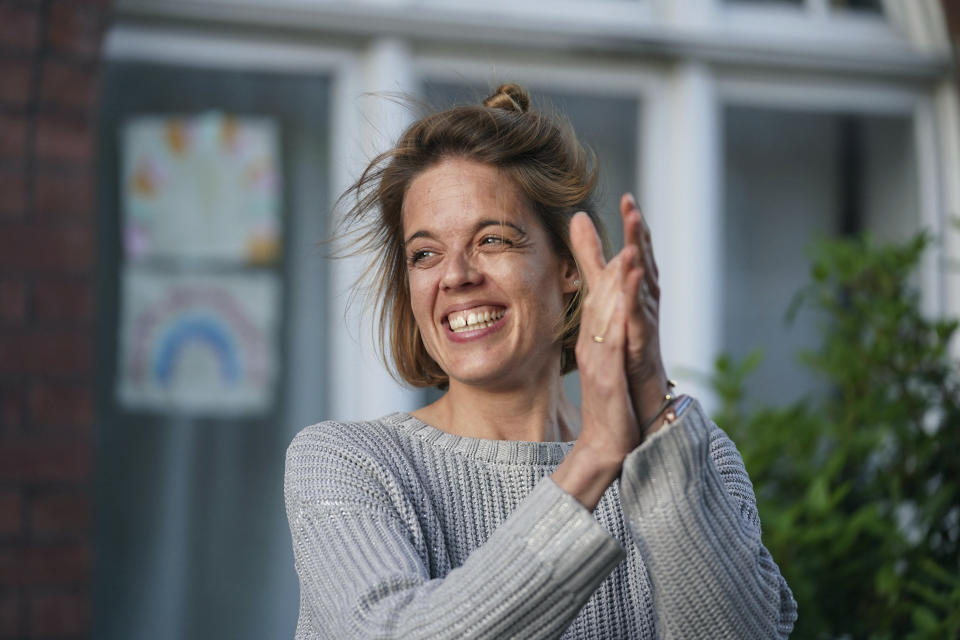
{"x":476,"y":516}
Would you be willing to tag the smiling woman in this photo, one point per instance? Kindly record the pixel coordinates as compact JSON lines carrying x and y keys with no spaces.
{"x":486,"y":287}
{"x":502,"y":510}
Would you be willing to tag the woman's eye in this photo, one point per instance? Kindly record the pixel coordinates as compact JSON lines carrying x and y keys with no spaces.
{"x":419,"y":256}
{"x":496,"y":240}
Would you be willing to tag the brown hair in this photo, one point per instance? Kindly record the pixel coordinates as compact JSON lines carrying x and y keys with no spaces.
{"x":540,"y":153}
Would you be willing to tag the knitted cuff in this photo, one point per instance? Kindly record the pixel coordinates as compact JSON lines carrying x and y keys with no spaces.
{"x":564,"y":536}
{"x":672,"y":465}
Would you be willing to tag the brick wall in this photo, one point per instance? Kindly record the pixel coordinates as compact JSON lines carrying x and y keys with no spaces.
{"x":49,"y":53}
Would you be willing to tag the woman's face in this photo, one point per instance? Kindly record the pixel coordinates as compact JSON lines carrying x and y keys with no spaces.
{"x":486,"y":287}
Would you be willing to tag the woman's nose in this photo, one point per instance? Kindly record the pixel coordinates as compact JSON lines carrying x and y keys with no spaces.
{"x":460,"y":272}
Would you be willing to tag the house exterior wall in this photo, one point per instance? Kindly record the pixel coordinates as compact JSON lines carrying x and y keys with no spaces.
{"x":49,"y":59}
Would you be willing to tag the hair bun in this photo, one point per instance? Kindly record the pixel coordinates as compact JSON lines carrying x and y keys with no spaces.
{"x":510,"y":97}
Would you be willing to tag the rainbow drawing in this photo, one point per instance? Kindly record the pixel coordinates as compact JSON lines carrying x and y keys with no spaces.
{"x":198,"y":343}
{"x":196,"y":330}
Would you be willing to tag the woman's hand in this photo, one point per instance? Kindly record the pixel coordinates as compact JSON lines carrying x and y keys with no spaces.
{"x":609,"y":428}
{"x":646,"y":376}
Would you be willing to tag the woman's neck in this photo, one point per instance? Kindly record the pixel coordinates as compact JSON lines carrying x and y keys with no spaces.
{"x":538,"y":414}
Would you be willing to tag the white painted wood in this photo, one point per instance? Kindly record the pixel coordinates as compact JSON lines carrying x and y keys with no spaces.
{"x":930,"y":205}
{"x":804,"y":91}
{"x":562,"y":73}
{"x":705,"y":32}
{"x":818,"y":9}
{"x":370,"y":118}
{"x":947,"y":106}
{"x":921,"y":21}
{"x":611,"y":11}
{"x":691,"y":14}
{"x":220,"y":49}
{"x":688,"y":245}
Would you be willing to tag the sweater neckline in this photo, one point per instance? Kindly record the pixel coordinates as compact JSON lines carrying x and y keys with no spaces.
{"x":521,"y":452}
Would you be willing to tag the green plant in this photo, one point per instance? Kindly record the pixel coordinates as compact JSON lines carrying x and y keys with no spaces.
{"x":858,"y":490}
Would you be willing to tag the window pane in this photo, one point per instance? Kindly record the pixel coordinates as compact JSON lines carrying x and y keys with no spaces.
{"x":191,"y":536}
{"x":789,"y":177}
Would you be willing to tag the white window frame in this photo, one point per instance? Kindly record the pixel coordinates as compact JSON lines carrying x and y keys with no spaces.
{"x":864,"y":97}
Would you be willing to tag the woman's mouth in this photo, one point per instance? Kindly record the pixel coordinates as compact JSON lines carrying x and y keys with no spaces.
{"x":475,"y":318}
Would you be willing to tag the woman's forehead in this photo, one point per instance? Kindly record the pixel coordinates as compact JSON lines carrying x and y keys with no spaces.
{"x":456,"y":193}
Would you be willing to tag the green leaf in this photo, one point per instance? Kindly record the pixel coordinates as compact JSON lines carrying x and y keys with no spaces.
{"x":832,"y":473}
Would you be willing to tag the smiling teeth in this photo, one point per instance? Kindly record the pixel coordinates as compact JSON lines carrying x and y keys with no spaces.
{"x":474,"y":320}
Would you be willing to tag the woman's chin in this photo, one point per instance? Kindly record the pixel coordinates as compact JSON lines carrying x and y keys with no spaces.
{"x":487,"y":376}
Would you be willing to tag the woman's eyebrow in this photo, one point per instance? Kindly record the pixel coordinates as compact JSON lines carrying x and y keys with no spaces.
{"x":498,"y":223}
{"x":483,"y":224}
{"x":419,"y":234}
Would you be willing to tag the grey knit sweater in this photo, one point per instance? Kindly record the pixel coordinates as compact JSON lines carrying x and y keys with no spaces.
{"x":401,"y":530}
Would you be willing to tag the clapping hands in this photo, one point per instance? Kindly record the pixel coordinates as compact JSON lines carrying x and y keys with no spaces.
{"x":618,"y":351}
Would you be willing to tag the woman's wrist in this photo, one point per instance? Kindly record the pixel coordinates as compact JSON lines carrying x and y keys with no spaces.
{"x":662,"y":418}
{"x":585,"y":474}
{"x":649,"y":398}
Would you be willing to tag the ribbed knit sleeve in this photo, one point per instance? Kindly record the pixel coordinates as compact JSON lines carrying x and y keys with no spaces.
{"x":691,"y":510}
{"x":362,"y":559}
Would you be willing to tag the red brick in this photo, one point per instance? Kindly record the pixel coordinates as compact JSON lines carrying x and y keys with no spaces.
{"x":43,"y":459}
{"x":63,"y":194}
{"x":11,"y":407}
{"x":17,"y":75}
{"x":61,"y":512}
{"x":13,"y":301}
{"x":68,"y":85}
{"x":18,"y":26}
{"x":13,"y":134}
{"x":59,"y":615}
{"x":10,"y":616}
{"x":63,"y":300}
{"x":63,"y":248}
{"x":64,"y":404}
{"x":11,"y":511}
{"x":75,"y":27}
{"x":13,"y":193}
{"x":46,"y":352}
{"x":60,"y":565}
{"x":62,"y":138}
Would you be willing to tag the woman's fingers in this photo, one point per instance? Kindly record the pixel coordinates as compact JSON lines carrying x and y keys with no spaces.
{"x":637,"y":233}
{"x":631,"y":223}
{"x":587,"y":248}
{"x":607,"y":287}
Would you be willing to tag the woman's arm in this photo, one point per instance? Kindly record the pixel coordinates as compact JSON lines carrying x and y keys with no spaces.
{"x":362,"y":557}
{"x":609,"y":429}
{"x":691,"y":510}
{"x":686,"y":496}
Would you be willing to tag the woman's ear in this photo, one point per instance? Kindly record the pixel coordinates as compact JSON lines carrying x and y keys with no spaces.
{"x":571,"y":277}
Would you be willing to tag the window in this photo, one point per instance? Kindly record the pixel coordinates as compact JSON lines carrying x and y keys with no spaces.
{"x":791,"y":176}
{"x":191,"y":537}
